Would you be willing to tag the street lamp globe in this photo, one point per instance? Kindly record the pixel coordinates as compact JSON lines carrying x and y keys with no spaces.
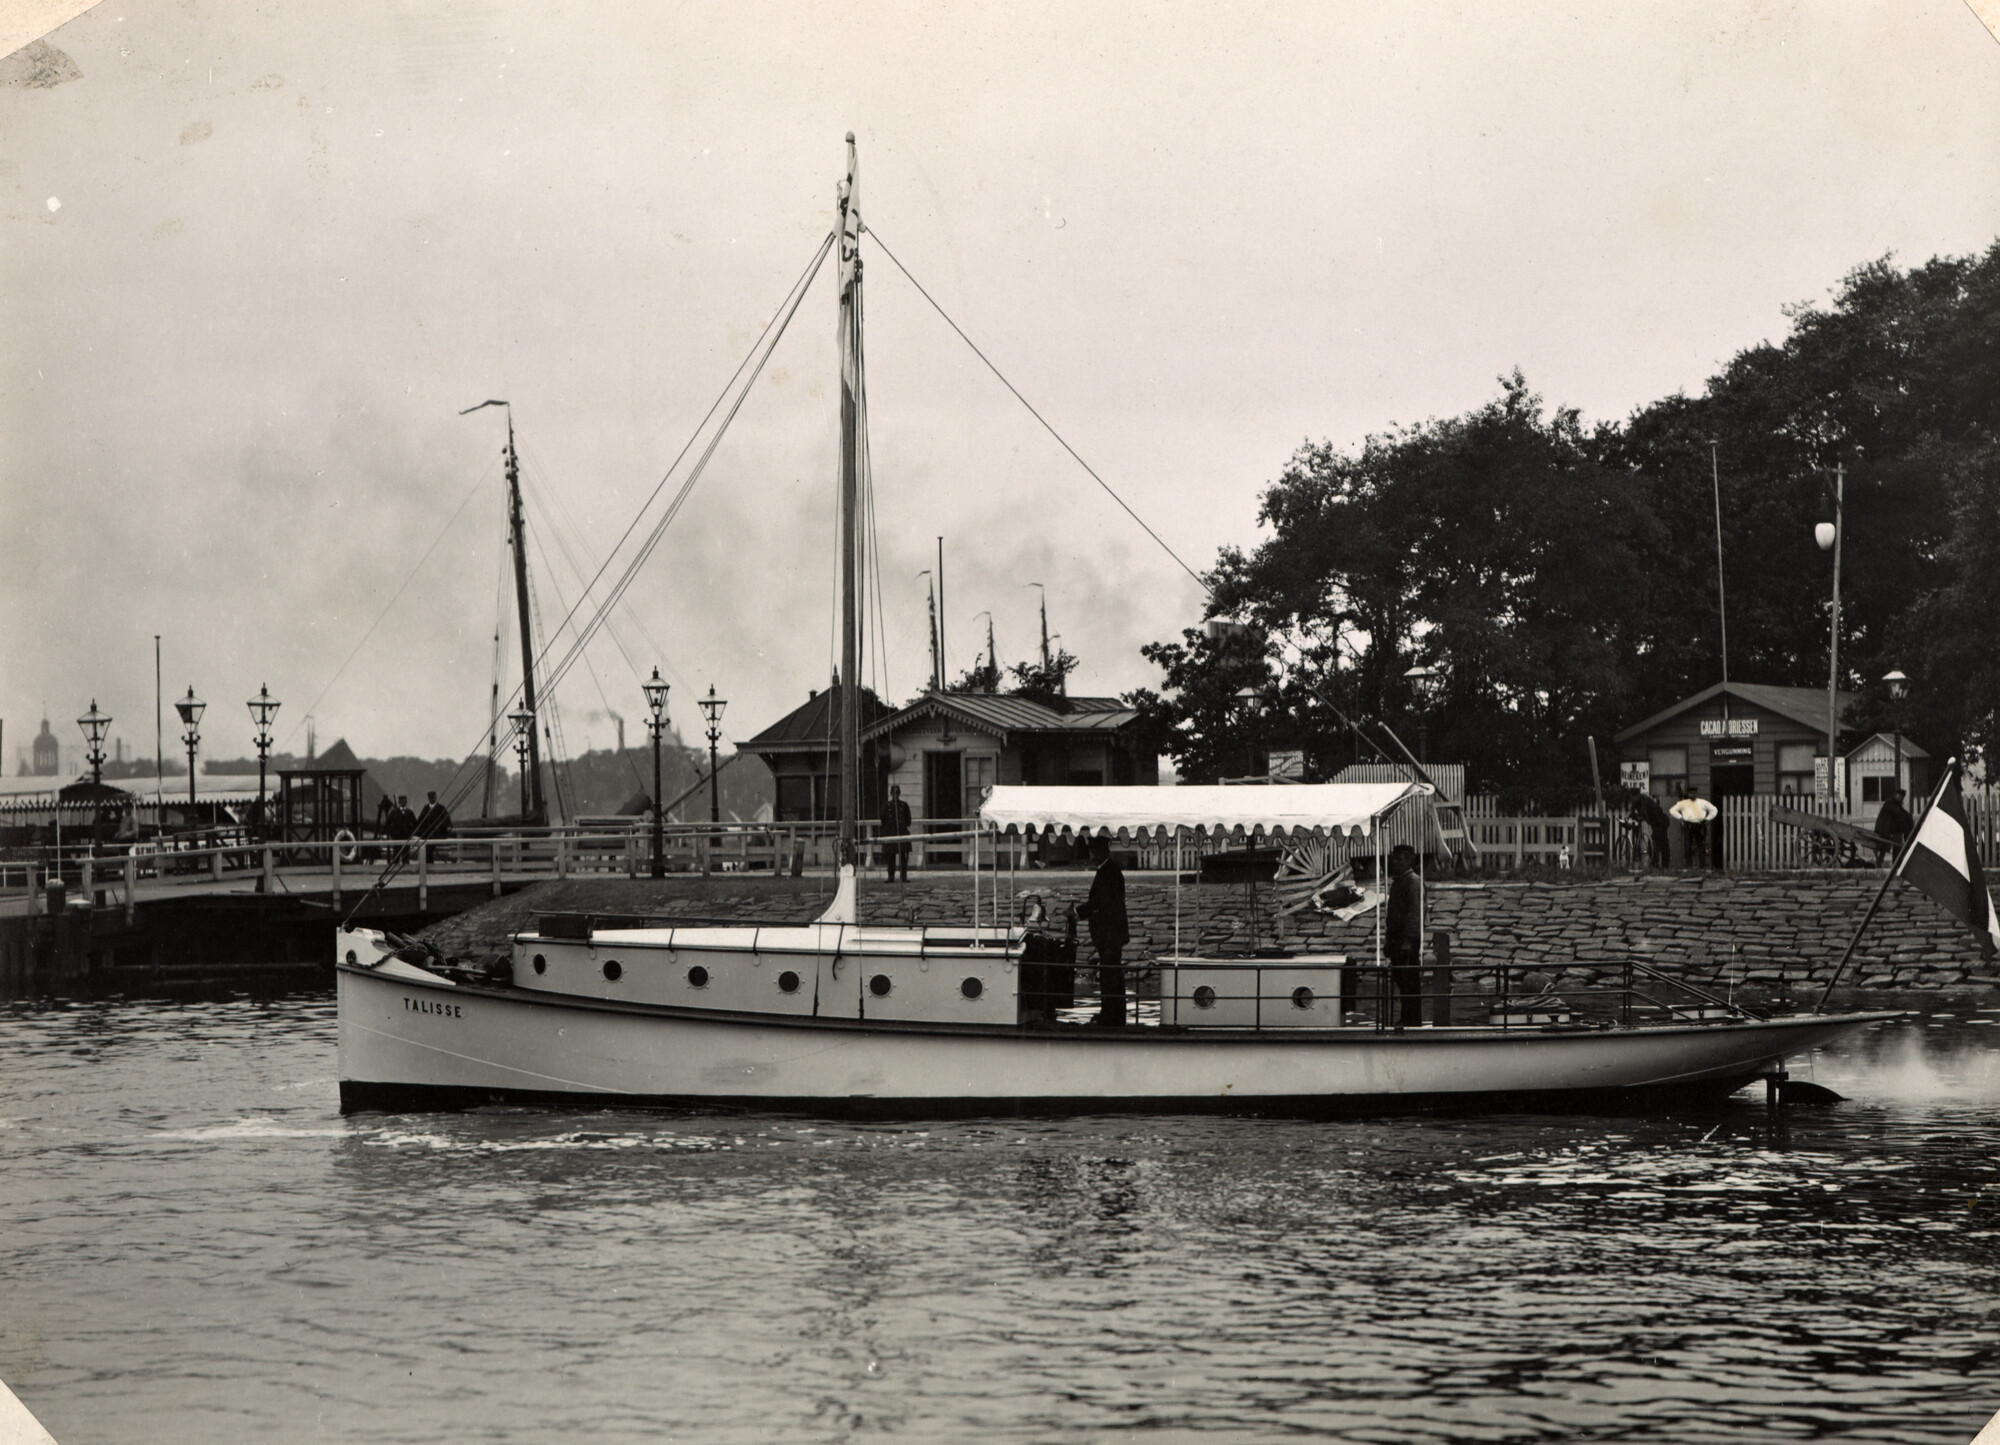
{"x":711,"y":708}
{"x":656,"y":699}
{"x":1423,"y":680}
{"x":1898,"y":684}
{"x":95,"y":725}
{"x":263,"y":707}
{"x":190,"y":708}
{"x":1823,"y":533}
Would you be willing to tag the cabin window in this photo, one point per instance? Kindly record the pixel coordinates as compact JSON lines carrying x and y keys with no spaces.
{"x":1795,"y":769}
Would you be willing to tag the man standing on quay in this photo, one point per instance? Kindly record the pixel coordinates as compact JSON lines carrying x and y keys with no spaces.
{"x":896,"y":824}
{"x":1104,"y":910}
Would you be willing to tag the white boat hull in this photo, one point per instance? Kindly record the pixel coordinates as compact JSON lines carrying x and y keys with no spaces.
{"x":411,"y":1040}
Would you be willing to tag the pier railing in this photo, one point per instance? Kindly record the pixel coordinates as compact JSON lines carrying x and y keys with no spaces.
{"x":122,"y":874}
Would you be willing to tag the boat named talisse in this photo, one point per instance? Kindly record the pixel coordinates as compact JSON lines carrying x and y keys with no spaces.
{"x":835,"y":1016}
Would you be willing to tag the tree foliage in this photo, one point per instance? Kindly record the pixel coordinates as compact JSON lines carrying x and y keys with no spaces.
{"x":1044,"y":684}
{"x":1561,"y":581}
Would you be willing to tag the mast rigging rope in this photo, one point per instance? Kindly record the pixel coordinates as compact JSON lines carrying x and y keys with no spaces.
{"x":1037,"y":415}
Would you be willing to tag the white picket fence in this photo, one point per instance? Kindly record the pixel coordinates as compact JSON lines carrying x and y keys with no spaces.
{"x":1752,"y":841}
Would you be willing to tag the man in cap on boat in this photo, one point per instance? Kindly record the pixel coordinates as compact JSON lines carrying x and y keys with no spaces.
{"x":1104,"y":911}
{"x":1403,"y":934}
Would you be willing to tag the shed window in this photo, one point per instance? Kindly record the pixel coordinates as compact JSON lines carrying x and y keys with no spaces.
{"x":1795,"y":768}
{"x":1669,"y":772}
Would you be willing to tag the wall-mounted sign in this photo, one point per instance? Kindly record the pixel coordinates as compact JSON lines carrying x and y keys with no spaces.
{"x":1287,"y":766}
{"x":1736,"y":727}
{"x":1636,"y":775}
{"x":1728,"y":753}
{"x":1820,"y":776}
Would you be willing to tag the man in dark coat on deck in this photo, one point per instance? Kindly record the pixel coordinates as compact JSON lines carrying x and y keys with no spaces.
{"x":1104,"y":911}
{"x":1403,"y":934}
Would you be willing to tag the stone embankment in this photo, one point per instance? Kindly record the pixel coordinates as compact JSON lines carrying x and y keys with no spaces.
{"x":1758,"y":929}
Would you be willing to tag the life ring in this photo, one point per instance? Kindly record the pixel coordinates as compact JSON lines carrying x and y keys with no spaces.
{"x":344,"y":845}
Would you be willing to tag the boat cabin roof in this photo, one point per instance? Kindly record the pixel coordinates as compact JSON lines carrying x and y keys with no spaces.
{"x":1353,"y":809}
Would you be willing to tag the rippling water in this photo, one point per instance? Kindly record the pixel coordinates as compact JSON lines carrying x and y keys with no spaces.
{"x":197,"y":1247}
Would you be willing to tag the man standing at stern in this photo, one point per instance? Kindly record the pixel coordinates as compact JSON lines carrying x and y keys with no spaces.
{"x":1403,"y":930}
{"x":1104,"y":910}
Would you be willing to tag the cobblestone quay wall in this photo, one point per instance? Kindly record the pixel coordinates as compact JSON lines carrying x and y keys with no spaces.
{"x":1755,"y":929}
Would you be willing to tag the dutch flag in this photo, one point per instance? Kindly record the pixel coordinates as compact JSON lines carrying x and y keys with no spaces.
{"x":1941,"y":860}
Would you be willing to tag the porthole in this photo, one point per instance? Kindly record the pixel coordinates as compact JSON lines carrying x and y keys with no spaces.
{"x":1204,"y":997}
{"x":788,"y":982}
{"x":351,"y":958}
{"x":1302,"y":997}
{"x":541,"y":964}
{"x":879,"y":985}
{"x":613,"y":969}
{"x":697,"y":977}
{"x":972,"y":988}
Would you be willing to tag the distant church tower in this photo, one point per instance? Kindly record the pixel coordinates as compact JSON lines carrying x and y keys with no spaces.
{"x":48,"y":753}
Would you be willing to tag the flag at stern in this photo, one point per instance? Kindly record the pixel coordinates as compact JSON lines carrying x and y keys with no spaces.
{"x":1942,"y":860}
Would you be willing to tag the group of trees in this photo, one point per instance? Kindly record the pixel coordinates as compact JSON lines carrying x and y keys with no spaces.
{"x":1559,"y":580}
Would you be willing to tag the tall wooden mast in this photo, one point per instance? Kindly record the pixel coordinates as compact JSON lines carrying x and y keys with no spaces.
{"x":518,"y":527}
{"x":852,"y":422}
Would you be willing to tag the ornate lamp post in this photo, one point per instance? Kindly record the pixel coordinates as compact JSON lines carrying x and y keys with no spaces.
{"x":1246,"y":698}
{"x":263,"y":707}
{"x":1423,"y":680}
{"x":190,"y":709}
{"x":1899,"y":688}
{"x":711,"y":708}
{"x":95,"y":724}
{"x":1828,"y":535}
{"x":656,"y":699}
{"x":524,"y":737}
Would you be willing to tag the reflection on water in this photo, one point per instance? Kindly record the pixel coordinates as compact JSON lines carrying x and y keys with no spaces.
{"x":199,"y":1248}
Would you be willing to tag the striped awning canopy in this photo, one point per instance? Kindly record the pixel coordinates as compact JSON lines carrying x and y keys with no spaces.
{"x":1351,"y":809}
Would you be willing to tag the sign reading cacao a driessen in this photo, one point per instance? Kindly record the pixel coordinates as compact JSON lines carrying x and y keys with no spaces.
{"x":1735,"y":727}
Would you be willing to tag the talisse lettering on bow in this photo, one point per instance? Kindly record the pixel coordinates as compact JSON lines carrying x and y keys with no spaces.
{"x":425,"y":1006}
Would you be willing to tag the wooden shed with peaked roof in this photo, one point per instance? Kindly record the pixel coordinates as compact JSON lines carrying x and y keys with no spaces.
{"x":947,"y":748}
{"x":326,"y":796}
{"x":802,"y":750}
{"x":1732,"y":740}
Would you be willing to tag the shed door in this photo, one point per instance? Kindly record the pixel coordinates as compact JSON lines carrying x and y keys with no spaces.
{"x":943,"y":785}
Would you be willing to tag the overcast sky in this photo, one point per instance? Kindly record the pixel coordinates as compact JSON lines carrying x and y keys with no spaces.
{"x":255,"y":258}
